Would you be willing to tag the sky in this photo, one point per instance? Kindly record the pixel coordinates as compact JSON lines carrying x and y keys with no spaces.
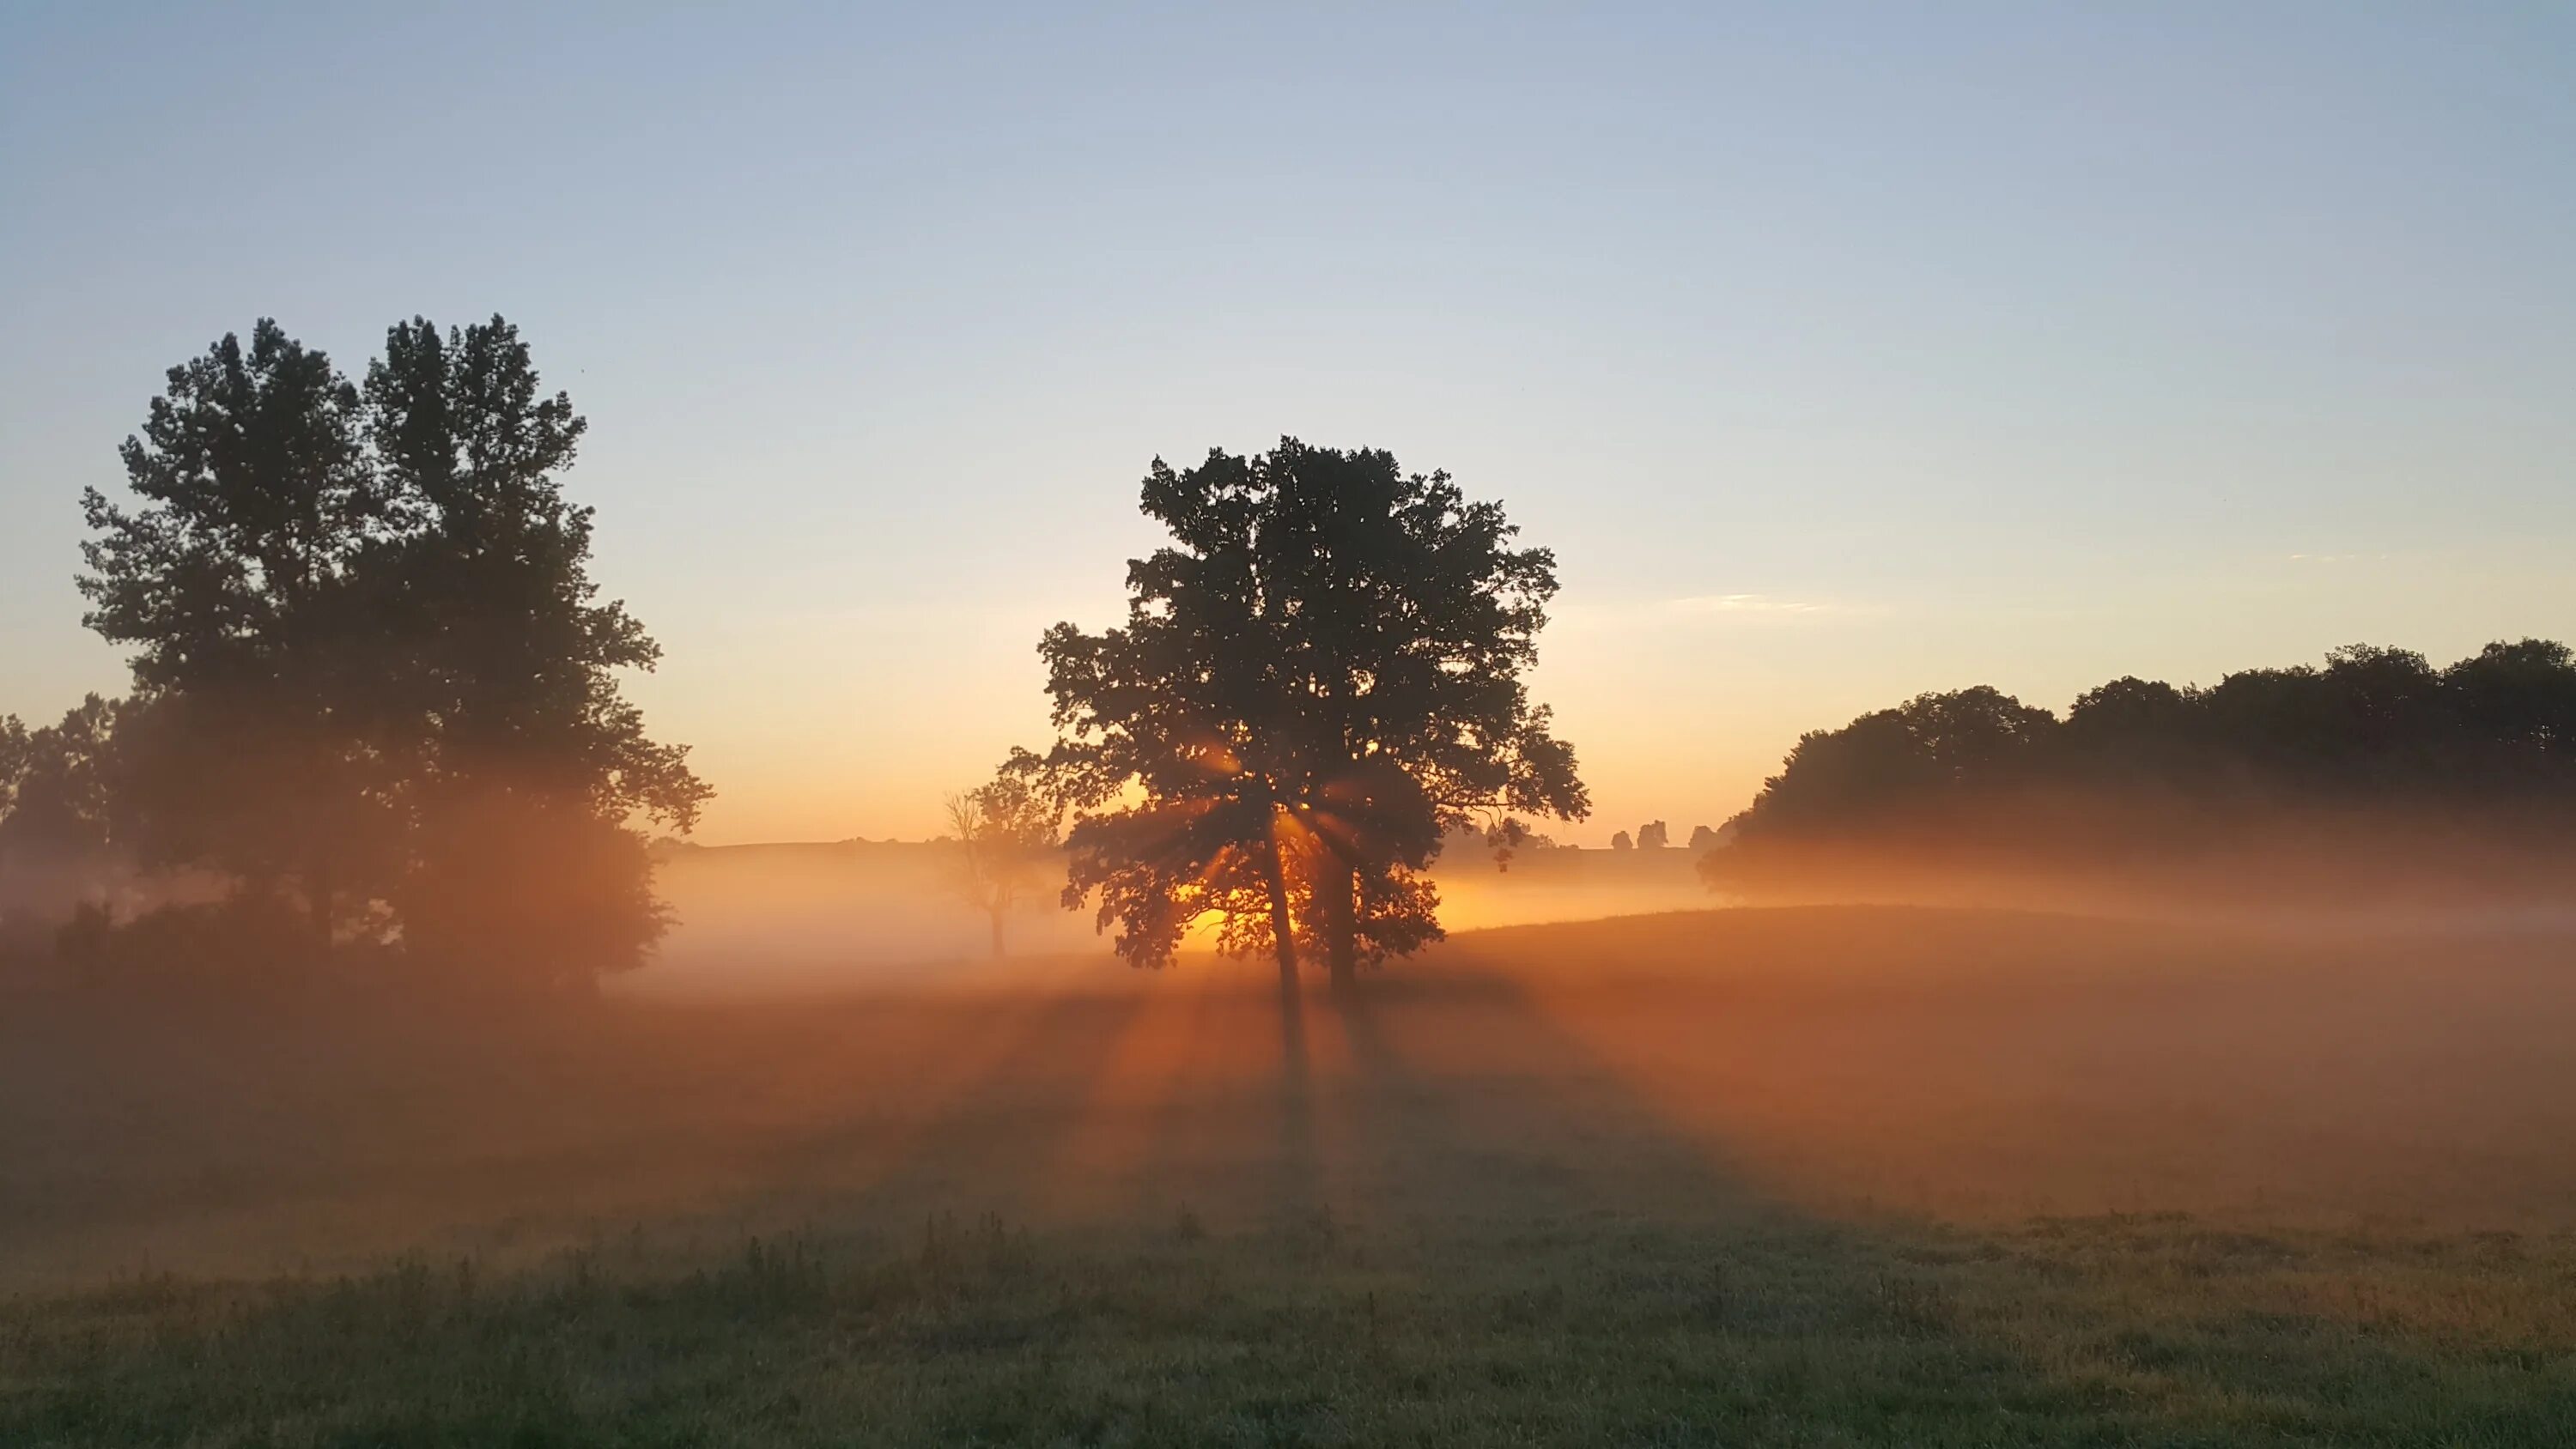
{"x":1839,"y":352}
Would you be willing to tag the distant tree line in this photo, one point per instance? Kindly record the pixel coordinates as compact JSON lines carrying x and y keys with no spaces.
{"x":375,"y":710}
{"x":1656,"y":835}
{"x":2138,"y":766}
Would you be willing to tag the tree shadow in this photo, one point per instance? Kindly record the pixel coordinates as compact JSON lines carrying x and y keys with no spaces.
{"x":1298,"y":1165}
{"x":978,"y":1129}
{"x":1492,"y":1123}
{"x":1459,"y":1157}
{"x":1467,"y":1094}
{"x":1468,"y":1151}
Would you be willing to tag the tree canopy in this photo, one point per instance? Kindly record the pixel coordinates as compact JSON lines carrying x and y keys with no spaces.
{"x":55,"y":830}
{"x":371,"y":675}
{"x":2491,"y":736}
{"x":526,"y":760}
{"x":1318,"y":676}
{"x":235,"y":582}
{"x":1007,"y":834}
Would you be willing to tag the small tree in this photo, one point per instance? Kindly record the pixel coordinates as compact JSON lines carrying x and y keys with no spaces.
{"x":1007,"y":838}
{"x":54,"y":828}
{"x":1653,"y":836}
{"x":1703,"y":840}
{"x":1621,"y":841}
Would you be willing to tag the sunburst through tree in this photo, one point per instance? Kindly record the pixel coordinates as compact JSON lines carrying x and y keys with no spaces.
{"x":1318,"y":677}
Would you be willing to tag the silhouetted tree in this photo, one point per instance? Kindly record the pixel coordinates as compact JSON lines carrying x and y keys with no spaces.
{"x":2494,"y":735}
{"x":13,"y":760}
{"x":371,"y":675}
{"x":54,"y":803}
{"x":2518,"y":699}
{"x":258,"y":682}
{"x":1007,"y":837}
{"x":1912,"y":760}
{"x":2138,"y":730}
{"x":527,"y":763}
{"x":1499,"y":842}
{"x":1653,"y":836}
{"x":1703,"y":839}
{"x":1319,"y":675}
{"x":1621,"y":841}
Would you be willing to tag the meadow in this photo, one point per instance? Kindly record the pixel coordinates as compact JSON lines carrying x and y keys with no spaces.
{"x":1833,"y":1175}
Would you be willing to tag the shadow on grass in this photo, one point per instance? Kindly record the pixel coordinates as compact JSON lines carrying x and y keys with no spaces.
{"x":1432,"y":1215}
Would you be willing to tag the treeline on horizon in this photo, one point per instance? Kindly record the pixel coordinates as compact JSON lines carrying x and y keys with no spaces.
{"x":2375,"y":755}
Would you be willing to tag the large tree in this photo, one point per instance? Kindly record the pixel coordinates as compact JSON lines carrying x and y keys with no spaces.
{"x":1318,"y":676}
{"x":372,"y":674}
{"x":527,"y":763}
{"x":259,"y":745}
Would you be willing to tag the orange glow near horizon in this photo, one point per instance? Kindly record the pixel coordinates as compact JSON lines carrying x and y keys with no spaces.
{"x":1972,"y":1065}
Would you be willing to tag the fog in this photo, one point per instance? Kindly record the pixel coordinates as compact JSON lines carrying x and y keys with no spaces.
{"x":2356,"y":1022}
{"x":801,"y":919}
{"x":826,"y":1043}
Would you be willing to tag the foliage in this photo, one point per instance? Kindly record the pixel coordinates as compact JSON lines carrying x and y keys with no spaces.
{"x":489,"y":576}
{"x":371,"y":674}
{"x":525,"y":760}
{"x":519,"y":889}
{"x":1318,"y":676}
{"x":54,"y":789}
{"x":2491,"y":737}
{"x":235,"y":583}
{"x":56,"y":854}
{"x":1007,"y":832}
{"x":1500,"y":842}
{"x":241,"y":945}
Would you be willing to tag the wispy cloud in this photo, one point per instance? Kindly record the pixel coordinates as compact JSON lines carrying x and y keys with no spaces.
{"x":1704,"y":611}
{"x":1753,"y":604}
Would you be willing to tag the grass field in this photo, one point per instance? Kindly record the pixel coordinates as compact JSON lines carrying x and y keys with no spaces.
{"x":1804,"y":1177}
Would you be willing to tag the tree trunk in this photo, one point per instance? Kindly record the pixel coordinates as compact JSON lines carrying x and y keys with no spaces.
{"x":1283,"y":928}
{"x":1334,"y":884}
{"x":997,"y":936}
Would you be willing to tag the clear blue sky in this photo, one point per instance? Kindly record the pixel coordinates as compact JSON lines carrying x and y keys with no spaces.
{"x":1840,"y":352}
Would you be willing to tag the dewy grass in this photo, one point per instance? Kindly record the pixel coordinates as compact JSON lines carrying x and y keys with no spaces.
{"x":1594,"y":1330}
{"x":1821,"y":1178}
